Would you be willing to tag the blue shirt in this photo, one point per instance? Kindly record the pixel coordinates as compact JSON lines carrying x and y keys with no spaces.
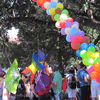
{"x":81,"y":74}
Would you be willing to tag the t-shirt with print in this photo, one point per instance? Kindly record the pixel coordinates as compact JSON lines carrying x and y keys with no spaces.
{"x":57,"y":78}
{"x":81,"y":74}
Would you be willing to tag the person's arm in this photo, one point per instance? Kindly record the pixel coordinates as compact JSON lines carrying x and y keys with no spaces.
{"x":54,"y":83}
{"x":27,"y":90}
{"x":33,"y":89}
{"x":77,"y":79}
{"x":85,"y":77}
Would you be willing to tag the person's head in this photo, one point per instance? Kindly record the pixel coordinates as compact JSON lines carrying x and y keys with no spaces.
{"x":71,"y":70}
{"x":2,"y":74}
{"x":82,"y":66}
{"x":36,"y":74}
{"x":24,"y":77}
{"x":54,"y":68}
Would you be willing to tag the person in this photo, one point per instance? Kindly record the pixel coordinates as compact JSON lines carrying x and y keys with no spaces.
{"x":36,"y":96}
{"x":71,"y":84}
{"x":1,"y":84}
{"x":21,"y":90}
{"x":57,"y":83}
{"x":82,"y":78}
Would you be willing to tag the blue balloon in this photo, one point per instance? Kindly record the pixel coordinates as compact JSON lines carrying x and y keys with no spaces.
{"x":91,"y":44}
{"x":78,"y":53}
{"x":53,"y":4}
{"x":47,"y":11}
{"x":74,"y":30}
{"x":84,"y":46}
{"x":68,"y":38}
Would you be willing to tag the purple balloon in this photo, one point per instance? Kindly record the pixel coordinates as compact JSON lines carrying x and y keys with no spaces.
{"x":1,"y":70}
{"x":63,"y":31}
{"x":72,"y":38}
{"x":81,"y":33}
{"x":68,"y":24}
{"x":76,"y":23}
{"x":99,"y":86}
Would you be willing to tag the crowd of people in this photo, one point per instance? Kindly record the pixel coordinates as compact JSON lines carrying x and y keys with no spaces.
{"x":79,"y":85}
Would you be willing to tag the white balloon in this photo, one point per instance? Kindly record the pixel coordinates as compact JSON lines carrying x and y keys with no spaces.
{"x":55,"y":1}
{"x":57,"y":24}
{"x":63,"y":17}
{"x":75,"y":25}
{"x":47,"y":5}
{"x":67,"y":31}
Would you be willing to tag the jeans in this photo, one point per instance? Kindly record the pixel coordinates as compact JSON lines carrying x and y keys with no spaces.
{"x":0,"y":97}
{"x":57,"y":96}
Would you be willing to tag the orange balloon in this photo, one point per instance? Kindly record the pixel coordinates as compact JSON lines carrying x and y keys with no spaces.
{"x":77,"y":46}
{"x":96,"y":67}
{"x":58,"y":11}
{"x":53,"y":18}
{"x":42,"y":1}
{"x":94,"y":75}
{"x":34,"y":0}
{"x":86,"y":40}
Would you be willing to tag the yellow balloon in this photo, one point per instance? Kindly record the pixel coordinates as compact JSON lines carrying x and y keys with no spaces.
{"x":59,"y":5}
{"x":90,"y":54}
{"x":84,"y":61}
{"x":33,"y":69}
{"x":96,"y":54}
{"x":52,"y":11}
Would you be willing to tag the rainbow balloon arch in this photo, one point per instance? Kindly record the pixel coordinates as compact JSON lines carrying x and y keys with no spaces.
{"x":70,"y":29}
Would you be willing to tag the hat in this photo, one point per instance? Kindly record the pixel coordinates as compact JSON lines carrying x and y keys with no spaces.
{"x":1,"y":70}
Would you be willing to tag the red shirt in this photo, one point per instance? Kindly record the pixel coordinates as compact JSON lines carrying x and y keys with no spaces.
{"x":46,"y":89}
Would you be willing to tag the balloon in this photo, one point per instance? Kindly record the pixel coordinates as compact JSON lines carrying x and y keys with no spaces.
{"x":91,"y":48}
{"x":77,"y":45}
{"x":47,"y":5}
{"x":38,"y":3}
{"x":78,"y":53}
{"x":53,"y":4}
{"x":67,"y":31}
{"x":57,"y":24}
{"x":43,"y":7}
{"x":86,"y":40}
{"x":53,"y":18}
{"x":73,"y":45}
{"x":91,"y":44}
{"x":72,"y":38}
{"x":96,"y":54}
{"x":57,"y":17}
{"x":52,"y":11}
{"x":63,"y":31}
{"x":41,"y":2}
{"x":90,"y":69}
{"x":55,"y":1}
{"x":67,"y":37}
{"x":79,"y":39}
{"x":65,"y":12}
{"x":84,"y":61}
{"x":70,"y":19}
{"x":84,"y":46}
{"x":85,"y":37}
{"x":89,"y":61}
{"x":97,"y":60}
{"x":99,"y":86}
{"x":68,"y":24}
{"x":48,"y":0}
{"x":90,"y":54}
{"x":96,"y":67}
{"x":81,"y":33}
{"x":60,"y":5}
{"x":83,"y":54}
{"x":74,"y":30}
{"x":47,"y":11}
{"x":58,"y":11}
{"x":63,"y":17}
{"x":77,"y":23}
{"x":94,"y":75}
{"x":98,"y":80}
{"x":34,"y":0}
{"x":62,"y":25}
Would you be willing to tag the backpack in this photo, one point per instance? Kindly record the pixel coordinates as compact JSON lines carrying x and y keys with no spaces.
{"x":71,"y":81}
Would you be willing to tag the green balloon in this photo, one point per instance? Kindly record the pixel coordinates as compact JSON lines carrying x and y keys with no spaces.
{"x":57,"y":17}
{"x":83,"y":54}
{"x":65,"y":12}
{"x":91,"y":48}
{"x":89,"y":61}
{"x":97,"y":60}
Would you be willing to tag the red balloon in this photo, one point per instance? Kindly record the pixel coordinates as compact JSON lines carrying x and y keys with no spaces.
{"x":62,"y":24}
{"x":98,"y":79}
{"x":43,"y":7}
{"x":38,"y":3}
{"x":79,"y":39}
{"x":48,"y":0}
{"x":70,"y":19}
{"x":73,"y":45}
{"x":85,"y":37}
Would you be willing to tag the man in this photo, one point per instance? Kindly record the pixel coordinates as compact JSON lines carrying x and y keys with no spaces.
{"x":57,"y":83}
{"x":82,"y":78}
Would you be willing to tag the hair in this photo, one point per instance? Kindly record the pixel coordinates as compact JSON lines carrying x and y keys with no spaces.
{"x":54,"y":68}
{"x":71,"y":70}
{"x":75,"y":68}
{"x":82,"y":65}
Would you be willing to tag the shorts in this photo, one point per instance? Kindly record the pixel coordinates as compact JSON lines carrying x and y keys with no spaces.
{"x":71,"y":93}
{"x":95,"y":91}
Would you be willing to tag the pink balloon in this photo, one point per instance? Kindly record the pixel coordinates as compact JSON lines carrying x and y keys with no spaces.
{"x":90,"y":69}
{"x":72,"y":38}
